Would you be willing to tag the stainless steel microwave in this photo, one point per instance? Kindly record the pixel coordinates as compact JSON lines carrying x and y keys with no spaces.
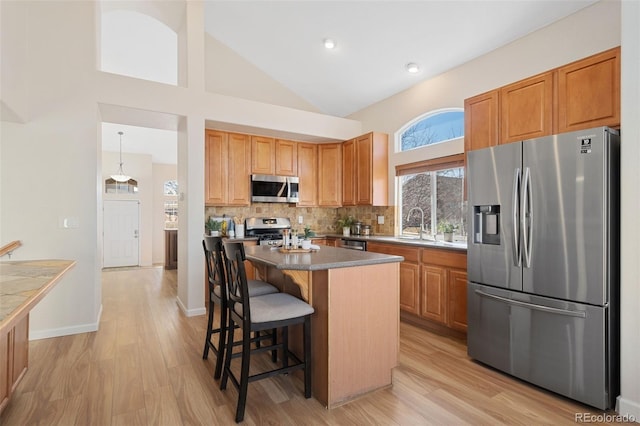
{"x":274,"y":189}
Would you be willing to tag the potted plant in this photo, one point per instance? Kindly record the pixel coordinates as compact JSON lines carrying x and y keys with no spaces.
{"x":345,"y":223}
{"x":306,"y":242}
{"x":447,"y":229}
{"x":213,"y":227}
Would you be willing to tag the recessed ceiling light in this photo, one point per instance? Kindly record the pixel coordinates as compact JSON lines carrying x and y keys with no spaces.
{"x":412,"y":67}
{"x":330,"y":43}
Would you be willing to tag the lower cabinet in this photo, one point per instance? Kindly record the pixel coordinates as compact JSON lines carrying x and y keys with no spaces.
{"x":319,"y":241}
{"x":170,"y":248}
{"x":433,"y":283}
{"x":432,"y":293}
{"x":14,"y":358}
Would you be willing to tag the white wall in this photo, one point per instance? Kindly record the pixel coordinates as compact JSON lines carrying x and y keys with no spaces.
{"x":230,"y":74}
{"x":49,"y":164}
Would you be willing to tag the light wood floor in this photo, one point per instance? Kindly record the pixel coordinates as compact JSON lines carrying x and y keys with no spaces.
{"x":144,"y":367}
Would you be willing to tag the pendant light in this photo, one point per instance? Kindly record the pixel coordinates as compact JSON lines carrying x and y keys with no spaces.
{"x":120,"y":176}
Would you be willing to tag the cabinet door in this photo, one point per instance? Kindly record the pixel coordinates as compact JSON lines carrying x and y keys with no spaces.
{"x":349,"y":172}
{"x":410,"y":287}
{"x":432,"y":293}
{"x":308,"y":174}
{"x":364,"y":170}
{"x":526,"y":109}
{"x":216,"y":167}
{"x":481,"y":121}
{"x":319,"y":241}
{"x":20,"y":351}
{"x":5,"y":357}
{"x":286,"y":158}
{"x":589,"y":92}
{"x":239,"y":169}
{"x":457,"y":300}
{"x":330,"y":175}
{"x":263,"y":155}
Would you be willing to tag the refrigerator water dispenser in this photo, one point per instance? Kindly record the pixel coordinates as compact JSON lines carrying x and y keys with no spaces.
{"x":486,"y":224}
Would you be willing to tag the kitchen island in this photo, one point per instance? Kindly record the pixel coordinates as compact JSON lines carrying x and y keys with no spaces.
{"x":355,"y":326}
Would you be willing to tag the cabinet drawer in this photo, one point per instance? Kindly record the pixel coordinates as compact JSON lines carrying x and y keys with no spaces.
{"x":410,"y":254}
{"x":445,"y":258}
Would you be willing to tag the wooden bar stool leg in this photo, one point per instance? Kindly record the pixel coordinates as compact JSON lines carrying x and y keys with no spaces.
{"x":205,"y":353}
{"x":244,"y":375}
{"x":222,"y":336}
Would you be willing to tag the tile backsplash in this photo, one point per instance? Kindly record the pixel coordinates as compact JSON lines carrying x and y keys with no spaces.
{"x":322,"y":220}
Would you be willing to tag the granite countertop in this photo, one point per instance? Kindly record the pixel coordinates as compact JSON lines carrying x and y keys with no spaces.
{"x":23,"y":283}
{"x":326,"y":258}
{"x":410,"y":241}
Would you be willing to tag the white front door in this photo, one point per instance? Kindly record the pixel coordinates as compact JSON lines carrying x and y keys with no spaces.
{"x":121,"y":225}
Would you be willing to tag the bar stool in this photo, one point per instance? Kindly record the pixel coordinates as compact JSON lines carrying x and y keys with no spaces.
{"x":214,"y":257}
{"x":255,"y":314}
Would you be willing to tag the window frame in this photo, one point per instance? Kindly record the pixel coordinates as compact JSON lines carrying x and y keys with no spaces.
{"x":426,"y":166}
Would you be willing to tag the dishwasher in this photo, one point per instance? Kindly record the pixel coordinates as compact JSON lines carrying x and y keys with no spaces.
{"x":353,"y":244}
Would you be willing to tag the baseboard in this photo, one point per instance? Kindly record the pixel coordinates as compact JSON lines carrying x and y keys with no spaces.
{"x":66,"y":331}
{"x":190,"y":312}
{"x":628,"y":409}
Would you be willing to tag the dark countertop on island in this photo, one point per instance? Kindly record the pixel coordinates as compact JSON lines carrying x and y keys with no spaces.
{"x":326,"y":258}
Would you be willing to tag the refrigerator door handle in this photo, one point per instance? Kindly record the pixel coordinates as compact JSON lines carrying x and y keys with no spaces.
{"x":515,"y":246}
{"x":579,"y":314}
{"x":526,"y":218}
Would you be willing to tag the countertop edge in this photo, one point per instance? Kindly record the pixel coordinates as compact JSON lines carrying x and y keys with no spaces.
{"x":373,"y":259}
{"x":390,"y":239}
{"x":17,"y":314}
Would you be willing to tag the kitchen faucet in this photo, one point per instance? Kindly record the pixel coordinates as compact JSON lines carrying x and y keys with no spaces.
{"x":423,"y":231}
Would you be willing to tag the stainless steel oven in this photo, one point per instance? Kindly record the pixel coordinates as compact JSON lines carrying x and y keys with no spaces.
{"x":353,"y":244}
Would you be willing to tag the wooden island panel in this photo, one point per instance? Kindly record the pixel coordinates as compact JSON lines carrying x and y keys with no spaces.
{"x":355,"y":326}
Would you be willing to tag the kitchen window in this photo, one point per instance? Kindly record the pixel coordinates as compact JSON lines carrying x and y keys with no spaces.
{"x":431,"y":193}
{"x":432,"y":128}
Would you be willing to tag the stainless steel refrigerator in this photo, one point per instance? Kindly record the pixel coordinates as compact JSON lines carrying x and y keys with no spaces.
{"x":543,"y":262}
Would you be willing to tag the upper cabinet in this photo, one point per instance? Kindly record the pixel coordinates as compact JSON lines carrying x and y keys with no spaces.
{"x":227,"y":169}
{"x":580,"y":95}
{"x":263,"y":159}
{"x":308,"y":174}
{"x":286,"y":158}
{"x":349,"y":173}
{"x":330,"y":175}
{"x":526,"y":109}
{"x":365,"y":170}
{"x":589,"y":92}
{"x":481,"y":121}
{"x":271,"y":156}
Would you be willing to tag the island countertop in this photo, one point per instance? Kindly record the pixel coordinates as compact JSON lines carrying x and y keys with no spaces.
{"x":326,"y":258}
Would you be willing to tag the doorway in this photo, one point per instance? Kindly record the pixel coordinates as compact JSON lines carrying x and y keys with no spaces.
{"x":121,"y":233}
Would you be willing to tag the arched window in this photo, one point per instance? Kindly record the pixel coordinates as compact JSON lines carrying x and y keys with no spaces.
{"x":433,"y":127}
{"x":137,"y":45}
